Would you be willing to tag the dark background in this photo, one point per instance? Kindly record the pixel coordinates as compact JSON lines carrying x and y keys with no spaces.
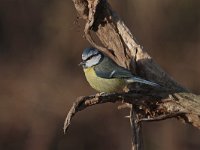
{"x":40,"y":47}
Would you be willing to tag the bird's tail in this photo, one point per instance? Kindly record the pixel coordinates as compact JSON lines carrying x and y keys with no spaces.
{"x":136,"y":79}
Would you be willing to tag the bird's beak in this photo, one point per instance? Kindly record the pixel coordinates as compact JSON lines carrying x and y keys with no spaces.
{"x":82,"y":63}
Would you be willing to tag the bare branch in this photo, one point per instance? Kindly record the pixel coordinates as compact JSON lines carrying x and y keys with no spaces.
{"x":136,"y":129}
{"x":148,"y":105}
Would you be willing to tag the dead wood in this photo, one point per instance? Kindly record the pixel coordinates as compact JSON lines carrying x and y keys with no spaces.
{"x":172,"y":100}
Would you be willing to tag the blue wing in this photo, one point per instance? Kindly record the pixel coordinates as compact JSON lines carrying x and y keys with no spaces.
{"x":109,"y":69}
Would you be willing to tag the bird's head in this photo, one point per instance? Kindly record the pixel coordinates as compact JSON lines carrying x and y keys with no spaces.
{"x":91,"y":57}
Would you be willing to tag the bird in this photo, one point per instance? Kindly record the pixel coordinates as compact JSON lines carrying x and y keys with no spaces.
{"x":106,"y":76}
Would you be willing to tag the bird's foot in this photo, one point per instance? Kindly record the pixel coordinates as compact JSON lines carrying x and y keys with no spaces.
{"x":100,"y":94}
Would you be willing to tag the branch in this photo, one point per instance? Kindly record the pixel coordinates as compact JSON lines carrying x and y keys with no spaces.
{"x":172,"y":100}
{"x":147,"y":104}
{"x":136,"y":130}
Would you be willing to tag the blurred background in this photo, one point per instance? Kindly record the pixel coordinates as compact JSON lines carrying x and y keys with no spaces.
{"x":40,"y":46}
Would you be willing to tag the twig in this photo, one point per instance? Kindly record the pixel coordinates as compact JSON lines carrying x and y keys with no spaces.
{"x":136,"y":131}
{"x":162,"y":117}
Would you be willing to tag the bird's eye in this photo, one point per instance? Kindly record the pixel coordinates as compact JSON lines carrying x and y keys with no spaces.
{"x":92,"y":56}
{"x":89,"y":57}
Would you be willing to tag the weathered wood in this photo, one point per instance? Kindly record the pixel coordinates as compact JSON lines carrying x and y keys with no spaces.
{"x":148,"y":104}
{"x":172,"y":100}
{"x":136,"y":130}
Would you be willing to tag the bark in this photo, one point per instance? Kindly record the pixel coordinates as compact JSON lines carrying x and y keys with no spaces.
{"x":148,"y":104}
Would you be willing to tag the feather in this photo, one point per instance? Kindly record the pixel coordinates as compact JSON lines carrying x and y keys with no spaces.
{"x":109,"y":69}
{"x":137,"y":79}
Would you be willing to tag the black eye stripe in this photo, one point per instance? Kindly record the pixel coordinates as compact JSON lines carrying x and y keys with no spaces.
{"x":92,"y":56}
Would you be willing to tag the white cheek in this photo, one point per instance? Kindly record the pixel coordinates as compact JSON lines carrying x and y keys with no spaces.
{"x":95,"y":60}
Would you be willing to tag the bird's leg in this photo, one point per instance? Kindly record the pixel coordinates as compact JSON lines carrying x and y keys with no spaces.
{"x":100,"y":94}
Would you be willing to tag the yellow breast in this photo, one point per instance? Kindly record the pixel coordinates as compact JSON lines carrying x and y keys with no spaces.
{"x":102,"y":84}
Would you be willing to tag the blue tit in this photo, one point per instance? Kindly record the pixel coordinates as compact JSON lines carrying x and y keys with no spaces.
{"x":104,"y":75}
